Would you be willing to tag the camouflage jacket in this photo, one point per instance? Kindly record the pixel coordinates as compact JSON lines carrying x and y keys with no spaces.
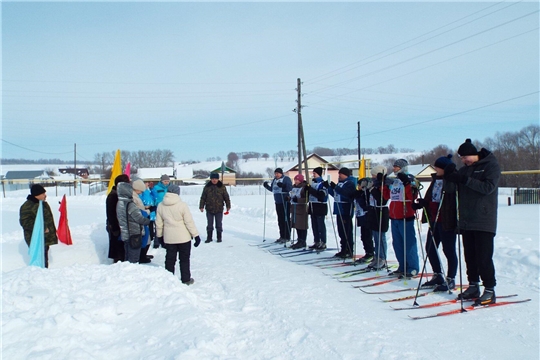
{"x":213,"y":197}
{"x":27,"y":218}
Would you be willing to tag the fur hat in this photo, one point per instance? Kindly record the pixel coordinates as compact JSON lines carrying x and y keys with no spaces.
{"x":138,"y":185}
{"x":214,"y":176}
{"x":467,"y":148}
{"x":173,"y":188}
{"x":401,"y":163}
{"x":299,"y":177}
{"x":443,"y":161}
{"x":345,"y":171}
{"x":318,"y":170}
{"x":379,"y":169}
{"x":279,"y":170}
{"x":37,"y":189}
{"x":165,"y":177}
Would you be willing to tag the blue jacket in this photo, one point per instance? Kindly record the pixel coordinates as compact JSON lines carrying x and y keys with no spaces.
{"x":344,"y":196}
{"x":318,"y":198}
{"x":281,"y":194}
{"x":159,"y":192}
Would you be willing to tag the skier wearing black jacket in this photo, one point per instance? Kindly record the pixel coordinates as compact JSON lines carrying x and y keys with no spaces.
{"x":477,"y":183}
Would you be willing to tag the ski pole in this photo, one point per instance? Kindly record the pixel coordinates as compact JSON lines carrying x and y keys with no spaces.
{"x":264,"y":216}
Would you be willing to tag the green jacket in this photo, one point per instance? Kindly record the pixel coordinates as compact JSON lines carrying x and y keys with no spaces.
{"x":27,"y":217}
{"x":213,"y":197}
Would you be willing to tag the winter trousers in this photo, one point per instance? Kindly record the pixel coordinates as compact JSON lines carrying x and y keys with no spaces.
{"x":132,"y":255}
{"x":365,"y":235}
{"x":345,"y":231}
{"x":116,"y":248}
{"x":381,"y":248}
{"x":478,"y":250}
{"x":404,"y":243}
{"x":448,"y":240}
{"x":284,"y":222}
{"x":183,"y":251}
{"x":210,"y":219}
{"x":319,"y":228}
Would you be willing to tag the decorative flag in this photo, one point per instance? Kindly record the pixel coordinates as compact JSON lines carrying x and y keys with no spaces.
{"x":116,"y":170}
{"x":128,"y":169}
{"x":63,"y":233}
{"x":36,"y":250}
{"x":362,"y":169}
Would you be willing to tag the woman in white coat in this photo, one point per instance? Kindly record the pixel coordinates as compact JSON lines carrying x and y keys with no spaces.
{"x":175,"y":228}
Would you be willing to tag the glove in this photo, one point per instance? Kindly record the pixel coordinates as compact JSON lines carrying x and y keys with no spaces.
{"x":404,"y":178}
{"x":325,"y":184}
{"x":455,"y":177}
{"x":294,"y":199}
{"x":449,"y":169}
{"x":419,"y":204}
{"x":160,"y":240}
{"x":307,"y":187}
{"x":332,"y":185}
{"x":280,"y":184}
{"x":380,"y":177}
{"x":153,"y":208}
{"x":197,"y":241}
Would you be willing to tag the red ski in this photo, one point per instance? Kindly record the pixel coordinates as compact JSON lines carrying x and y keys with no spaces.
{"x":467,"y":309}
{"x":445,"y":302}
{"x":394,"y":278}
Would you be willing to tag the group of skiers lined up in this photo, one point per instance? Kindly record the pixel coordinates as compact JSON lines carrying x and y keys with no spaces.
{"x":138,"y":213}
{"x":460,"y":201}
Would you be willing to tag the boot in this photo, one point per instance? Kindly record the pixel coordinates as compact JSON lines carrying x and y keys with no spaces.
{"x":471,"y":293}
{"x":314,"y":246}
{"x":300,"y":244}
{"x":209,"y":236}
{"x":320,"y":246}
{"x":219,"y":236}
{"x":449,"y":284}
{"x":488,"y":297}
{"x":437,"y":279}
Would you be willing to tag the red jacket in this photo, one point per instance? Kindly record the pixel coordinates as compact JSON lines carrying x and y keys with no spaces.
{"x":395,"y":193}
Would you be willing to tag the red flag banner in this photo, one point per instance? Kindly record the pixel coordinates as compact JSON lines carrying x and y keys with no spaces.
{"x":63,"y":233}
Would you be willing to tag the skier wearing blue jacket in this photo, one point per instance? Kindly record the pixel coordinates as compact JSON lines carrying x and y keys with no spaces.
{"x":281,"y":186}
{"x":158,"y":192}
{"x":343,"y":194}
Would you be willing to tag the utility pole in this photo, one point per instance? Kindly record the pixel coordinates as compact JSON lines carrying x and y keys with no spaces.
{"x":299,"y":113}
{"x":75,"y":170}
{"x":359,"y":148}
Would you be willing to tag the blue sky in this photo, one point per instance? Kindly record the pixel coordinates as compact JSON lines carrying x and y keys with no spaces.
{"x":204,"y":79}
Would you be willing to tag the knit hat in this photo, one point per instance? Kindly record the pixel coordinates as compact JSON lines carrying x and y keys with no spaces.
{"x":345,"y":171}
{"x":379,"y":169}
{"x":165,"y":177}
{"x":401,"y":163}
{"x":443,"y":161}
{"x":279,"y":170}
{"x":121,"y":178}
{"x":173,"y":188}
{"x":467,"y":148}
{"x":37,"y":189}
{"x":299,"y":177}
{"x":138,"y":185}
{"x":214,"y":176}
{"x":318,"y":170}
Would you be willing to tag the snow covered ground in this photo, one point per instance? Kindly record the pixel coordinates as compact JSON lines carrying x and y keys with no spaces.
{"x":246,"y":303}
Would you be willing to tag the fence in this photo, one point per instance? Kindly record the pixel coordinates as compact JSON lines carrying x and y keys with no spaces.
{"x":527,"y":196}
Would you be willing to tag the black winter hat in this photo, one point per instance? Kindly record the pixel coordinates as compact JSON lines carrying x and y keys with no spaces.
{"x":214,"y":176}
{"x":467,"y":148}
{"x":121,"y":178}
{"x":37,"y":189}
{"x":279,"y":170}
{"x":318,"y":170}
{"x":345,"y":171}
{"x":443,"y":161}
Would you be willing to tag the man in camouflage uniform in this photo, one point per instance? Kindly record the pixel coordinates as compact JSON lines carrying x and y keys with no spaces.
{"x":213,"y":196}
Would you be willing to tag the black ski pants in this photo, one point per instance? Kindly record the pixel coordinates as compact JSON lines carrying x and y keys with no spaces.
{"x":284,"y":221}
{"x":183,"y":251}
{"x":478,"y":249}
{"x":448,"y":240}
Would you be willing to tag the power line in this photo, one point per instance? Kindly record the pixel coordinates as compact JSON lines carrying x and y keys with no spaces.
{"x":36,"y":151}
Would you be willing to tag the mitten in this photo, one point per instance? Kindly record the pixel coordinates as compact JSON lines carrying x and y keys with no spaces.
{"x":197,"y":241}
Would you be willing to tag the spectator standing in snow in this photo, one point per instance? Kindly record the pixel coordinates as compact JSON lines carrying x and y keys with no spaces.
{"x":299,"y":213}
{"x":477,"y":183}
{"x":280,"y":187}
{"x":440,"y":212}
{"x":318,"y":209}
{"x":402,"y":216}
{"x":159,"y":190}
{"x":27,"y":218}
{"x":176,"y":228}
{"x":116,"y":245}
{"x":213,"y":197}
{"x":139,"y":188}
{"x":343,"y":194}
{"x":131,"y":222}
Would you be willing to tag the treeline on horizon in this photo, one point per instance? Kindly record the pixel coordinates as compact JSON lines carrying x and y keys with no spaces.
{"x":519,"y":150}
